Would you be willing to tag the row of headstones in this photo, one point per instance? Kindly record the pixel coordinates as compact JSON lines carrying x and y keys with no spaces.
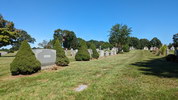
{"x":105,"y":53}
{"x":167,"y":50}
{"x":102,"y":53}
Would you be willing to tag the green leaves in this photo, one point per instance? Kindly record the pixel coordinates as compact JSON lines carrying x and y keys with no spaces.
{"x":25,"y":61}
{"x":61,"y":59}
{"x":119,"y":35}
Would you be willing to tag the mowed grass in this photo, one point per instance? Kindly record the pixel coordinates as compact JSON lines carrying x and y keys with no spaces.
{"x":137,"y":75}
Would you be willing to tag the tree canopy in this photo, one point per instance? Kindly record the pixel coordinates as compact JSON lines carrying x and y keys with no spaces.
{"x":82,"y":54}
{"x":119,"y":35}
{"x":135,"y":42}
{"x":144,"y":43}
{"x":155,"y":42}
{"x":8,"y":33}
{"x":68,"y":38}
{"x":23,"y":35}
{"x":175,"y":40}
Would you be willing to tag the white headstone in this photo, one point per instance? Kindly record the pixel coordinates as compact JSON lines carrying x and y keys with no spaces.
{"x":101,"y":53}
{"x":106,"y":53}
{"x":145,"y":48}
{"x":90,"y":52}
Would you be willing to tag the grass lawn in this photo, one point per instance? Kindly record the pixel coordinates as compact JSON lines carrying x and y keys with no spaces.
{"x":137,"y":75}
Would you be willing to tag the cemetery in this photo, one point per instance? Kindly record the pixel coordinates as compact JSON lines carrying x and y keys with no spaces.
{"x":88,"y":50}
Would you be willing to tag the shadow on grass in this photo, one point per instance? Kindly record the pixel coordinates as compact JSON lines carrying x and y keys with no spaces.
{"x":158,"y":67}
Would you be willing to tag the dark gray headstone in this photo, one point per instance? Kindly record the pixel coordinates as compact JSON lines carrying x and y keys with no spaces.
{"x":176,"y":52}
{"x":45,"y":56}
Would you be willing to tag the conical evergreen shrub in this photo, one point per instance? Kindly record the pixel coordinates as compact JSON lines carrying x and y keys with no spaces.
{"x":82,"y":54}
{"x":126,"y":48}
{"x":61,"y":59}
{"x":25,"y":61}
{"x":95,"y":53}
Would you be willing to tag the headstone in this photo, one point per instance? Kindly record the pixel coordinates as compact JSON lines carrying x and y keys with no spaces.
{"x":90,"y":52}
{"x":106,"y":53}
{"x":167,"y":51}
{"x":45,"y":56}
{"x":172,"y":48}
{"x":65,"y":52}
{"x":3,"y":53}
{"x":145,"y":48}
{"x":111,"y":53}
{"x":72,"y":52}
{"x":115,"y":50}
{"x":151,"y":49}
{"x":97,"y":50}
{"x":131,"y":48}
{"x":101,"y":53}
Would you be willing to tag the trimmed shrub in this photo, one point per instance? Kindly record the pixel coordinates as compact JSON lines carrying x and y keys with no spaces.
{"x":82,"y":54}
{"x":163,"y":50}
{"x":126,"y":48}
{"x":25,"y":61}
{"x":95,"y":53}
{"x":61,"y":59}
{"x":171,"y":57}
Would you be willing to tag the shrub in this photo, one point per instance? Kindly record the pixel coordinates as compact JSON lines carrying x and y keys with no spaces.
{"x":25,"y":61}
{"x":163,"y":50}
{"x":61,"y":59}
{"x":95,"y":53}
{"x":171,"y":57}
{"x":82,"y":54}
{"x":126,"y":48}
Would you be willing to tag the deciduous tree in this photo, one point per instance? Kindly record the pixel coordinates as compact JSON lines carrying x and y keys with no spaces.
{"x":119,"y":35}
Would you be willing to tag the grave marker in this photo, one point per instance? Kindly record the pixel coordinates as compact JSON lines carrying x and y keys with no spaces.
{"x":45,"y":56}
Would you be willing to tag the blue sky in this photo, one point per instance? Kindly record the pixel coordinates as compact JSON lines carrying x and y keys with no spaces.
{"x":92,"y":19}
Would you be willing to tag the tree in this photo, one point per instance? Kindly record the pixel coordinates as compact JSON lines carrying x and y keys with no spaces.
{"x":170,"y":45}
{"x":119,"y":35}
{"x":163,"y":50}
{"x":99,"y":44}
{"x":70,"y":39}
{"x":61,"y":59}
{"x":135,"y":42}
{"x":8,"y":33}
{"x":25,"y":61}
{"x":144,"y":43}
{"x":95,"y":53}
{"x":82,"y":54}
{"x":58,"y":35}
{"x":126,"y":48}
{"x":155,"y":42}
{"x":106,"y":45}
{"x":95,"y":42}
{"x":45,"y":44}
{"x":175,"y":40}
{"x":23,"y":35}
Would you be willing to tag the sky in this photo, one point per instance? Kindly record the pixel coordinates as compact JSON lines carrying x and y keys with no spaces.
{"x":93,"y":19}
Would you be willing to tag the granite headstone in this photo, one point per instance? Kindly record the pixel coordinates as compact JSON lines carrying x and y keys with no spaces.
{"x":45,"y":56}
